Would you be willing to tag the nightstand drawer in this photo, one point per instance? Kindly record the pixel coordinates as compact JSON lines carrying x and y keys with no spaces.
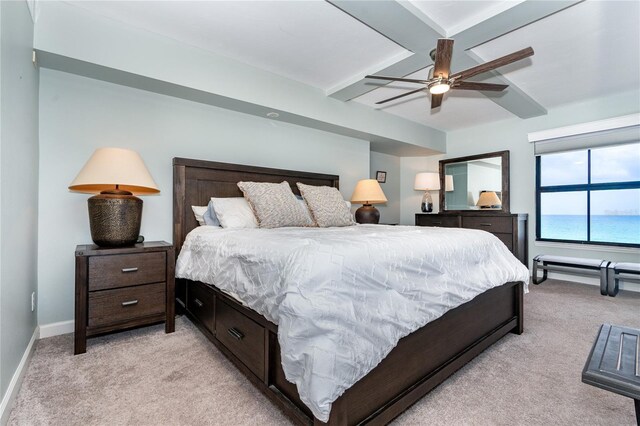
{"x":124,"y":304}
{"x":123,"y":270}
{"x":241,"y":336}
{"x":437,"y":220}
{"x":200,"y":299}
{"x":488,"y":223}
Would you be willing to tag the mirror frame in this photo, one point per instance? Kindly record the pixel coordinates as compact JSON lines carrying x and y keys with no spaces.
{"x":504,"y":155}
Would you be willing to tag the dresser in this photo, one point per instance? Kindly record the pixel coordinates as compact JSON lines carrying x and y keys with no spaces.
{"x":121,"y":288}
{"x":510,"y":228}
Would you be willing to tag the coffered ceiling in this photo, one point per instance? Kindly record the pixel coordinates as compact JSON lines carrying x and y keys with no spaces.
{"x":583,"y":49}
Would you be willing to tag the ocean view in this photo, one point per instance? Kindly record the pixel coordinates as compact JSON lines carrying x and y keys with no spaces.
{"x":617,"y":229}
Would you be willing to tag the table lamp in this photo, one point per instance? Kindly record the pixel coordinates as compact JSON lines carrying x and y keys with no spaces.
{"x":448,"y":183}
{"x":115,"y":174}
{"x":368,"y":192}
{"x":488,"y":199}
{"x":427,"y":181}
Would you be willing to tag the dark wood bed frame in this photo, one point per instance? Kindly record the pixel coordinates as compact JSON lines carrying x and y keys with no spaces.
{"x":416,"y":365}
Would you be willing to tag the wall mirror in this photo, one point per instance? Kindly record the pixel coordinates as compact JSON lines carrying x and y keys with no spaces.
{"x":478,"y":183}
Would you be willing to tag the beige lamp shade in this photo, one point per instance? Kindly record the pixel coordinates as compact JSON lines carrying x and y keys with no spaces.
{"x":109,"y":168}
{"x":368,"y":191}
{"x":448,"y":183}
{"x":427,"y":181}
{"x":488,"y":199}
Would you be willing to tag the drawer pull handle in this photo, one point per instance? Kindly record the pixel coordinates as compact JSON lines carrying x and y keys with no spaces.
{"x":235,"y":333}
{"x":130,"y":303}
{"x":198,"y":302}
{"x":129,"y":269}
{"x":437,"y":223}
{"x":485,"y":224}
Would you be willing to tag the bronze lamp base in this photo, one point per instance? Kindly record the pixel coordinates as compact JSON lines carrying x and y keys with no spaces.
{"x":114,"y":218}
{"x":367,"y":214}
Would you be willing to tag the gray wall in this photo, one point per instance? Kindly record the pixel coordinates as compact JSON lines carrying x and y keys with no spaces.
{"x":78,"y":115}
{"x":512,"y":135}
{"x":19,"y":186}
{"x":390,"y":211}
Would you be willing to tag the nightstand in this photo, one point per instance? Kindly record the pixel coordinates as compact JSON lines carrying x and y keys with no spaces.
{"x":124,"y":287}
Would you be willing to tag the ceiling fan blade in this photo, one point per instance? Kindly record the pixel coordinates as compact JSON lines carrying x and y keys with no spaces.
{"x":407,"y":80}
{"x":472,"y":85}
{"x":436,"y":100}
{"x":496,"y":63}
{"x":401,"y":96}
{"x":444,"y":50}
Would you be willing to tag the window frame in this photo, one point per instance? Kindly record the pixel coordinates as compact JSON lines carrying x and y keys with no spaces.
{"x":586,"y":187}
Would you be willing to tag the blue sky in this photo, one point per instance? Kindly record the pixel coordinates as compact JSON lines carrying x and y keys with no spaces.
{"x":619,"y":163}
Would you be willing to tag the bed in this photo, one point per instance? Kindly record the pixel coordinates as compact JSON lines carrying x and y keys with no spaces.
{"x":419,"y":362}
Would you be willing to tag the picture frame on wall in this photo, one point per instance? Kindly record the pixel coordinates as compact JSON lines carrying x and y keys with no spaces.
{"x":381,"y":176}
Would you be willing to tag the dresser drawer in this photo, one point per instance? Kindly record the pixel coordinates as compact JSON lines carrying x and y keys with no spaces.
{"x":124,"y":304}
{"x":493,"y":224}
{"x":241,"y":336}
{"x":200,"y":303}
{"x":438,"y":220}
{"x":507,"y":239}
{"x":123,"y":270}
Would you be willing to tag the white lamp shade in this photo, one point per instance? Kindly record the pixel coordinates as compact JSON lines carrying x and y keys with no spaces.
{"x":448,"y":183}
{"x":109,"y":167}
{"x":427,"y":181}
{"x":368,"y":191}
{"x":488,"y":199}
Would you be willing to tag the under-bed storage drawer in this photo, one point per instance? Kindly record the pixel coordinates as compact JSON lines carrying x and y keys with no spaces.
{"x":242,"y":336}
{"x":125,"y":304}
{"x":200,"y":303}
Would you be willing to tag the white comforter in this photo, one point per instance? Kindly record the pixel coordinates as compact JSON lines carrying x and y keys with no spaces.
{"x":343,"y":297}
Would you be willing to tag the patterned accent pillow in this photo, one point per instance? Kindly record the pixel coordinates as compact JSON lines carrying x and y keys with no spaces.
{"x":326,"y":205}
{"x":274,"y":204}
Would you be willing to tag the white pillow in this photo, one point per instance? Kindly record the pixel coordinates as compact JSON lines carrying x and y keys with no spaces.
{"x":199,"y":212}
{"x":234,"y":213}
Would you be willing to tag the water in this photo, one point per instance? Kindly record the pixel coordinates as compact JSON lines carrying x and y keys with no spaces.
{"x":614,"y":229}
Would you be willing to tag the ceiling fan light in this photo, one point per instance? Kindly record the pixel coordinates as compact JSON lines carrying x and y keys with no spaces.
{"x":439,"y":88}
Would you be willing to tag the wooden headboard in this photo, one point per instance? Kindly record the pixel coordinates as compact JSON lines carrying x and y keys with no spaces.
{"x":196,"y":181}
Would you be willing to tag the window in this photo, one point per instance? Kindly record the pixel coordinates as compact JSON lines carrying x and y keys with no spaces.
{"x":589,"y":196}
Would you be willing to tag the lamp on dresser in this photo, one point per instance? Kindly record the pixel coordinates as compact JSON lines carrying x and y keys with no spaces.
{"x":427,"y":181}
{"x":114,"y":174}
{"x":368,"y":192}
{"x":488,"y":200}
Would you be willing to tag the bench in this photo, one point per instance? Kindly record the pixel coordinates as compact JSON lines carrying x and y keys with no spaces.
{"x":613,"y":363}
{"x":621,"y":270}
{"x":572,"y":265}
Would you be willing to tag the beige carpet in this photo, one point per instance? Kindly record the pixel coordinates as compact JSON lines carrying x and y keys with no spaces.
{"x":145,"y":377}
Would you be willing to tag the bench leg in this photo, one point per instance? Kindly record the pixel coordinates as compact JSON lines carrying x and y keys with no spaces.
{"x":637,"y":404}
{"x":603,"y":281}
{"x":535,"y":273}
{"x":612,"y":282}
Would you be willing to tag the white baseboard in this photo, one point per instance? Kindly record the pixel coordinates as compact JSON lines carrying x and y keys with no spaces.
{"x":56,"y":328}
{"x":16,"y":380}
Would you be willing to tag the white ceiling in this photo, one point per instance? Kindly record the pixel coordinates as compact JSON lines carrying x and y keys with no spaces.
{"x":308,"y":41}
{"x":456,"y":16}
{"x":589,"y":50}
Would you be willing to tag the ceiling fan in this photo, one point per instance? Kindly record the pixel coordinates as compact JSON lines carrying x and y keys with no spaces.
{"x":441,"y":80}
